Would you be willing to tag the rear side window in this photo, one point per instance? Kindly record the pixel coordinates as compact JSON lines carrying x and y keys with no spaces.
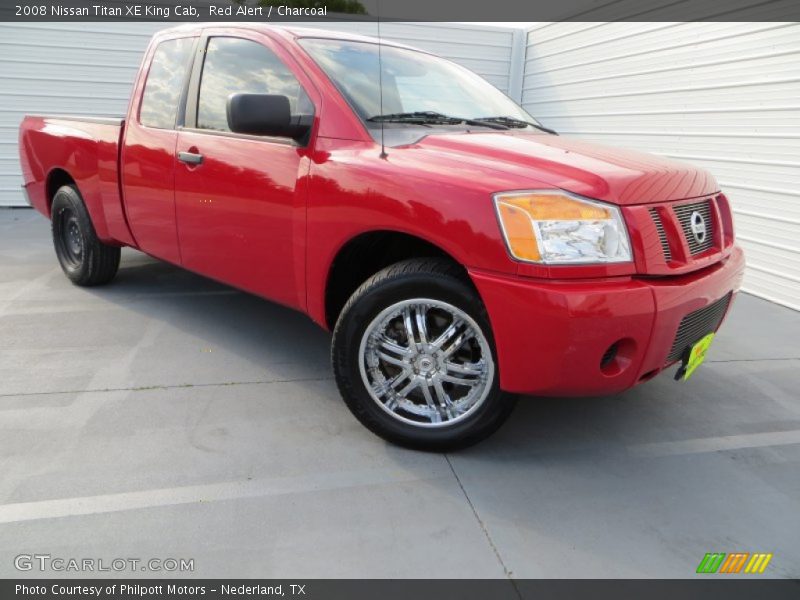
{"x":164,"y":86}
{"x":234,"y":65}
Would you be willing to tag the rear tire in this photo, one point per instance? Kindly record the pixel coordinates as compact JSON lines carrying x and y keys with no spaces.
{"x":435,"y":388}
{"x":83,"y":257}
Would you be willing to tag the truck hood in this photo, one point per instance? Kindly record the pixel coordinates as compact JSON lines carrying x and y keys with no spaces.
{"x":611,"y":174}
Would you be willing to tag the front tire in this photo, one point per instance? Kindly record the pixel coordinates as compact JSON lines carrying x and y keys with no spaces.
{"x":414,"y":358}
{"x":83,"y":257}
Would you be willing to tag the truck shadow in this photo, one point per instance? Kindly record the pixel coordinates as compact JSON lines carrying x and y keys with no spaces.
{"x":275,"y":343}
{"x":218,"y":316}
{"x":249,"y":339}
{"x":561,"y":473}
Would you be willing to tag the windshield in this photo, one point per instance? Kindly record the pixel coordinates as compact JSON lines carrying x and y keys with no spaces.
{"x":413,"y":82}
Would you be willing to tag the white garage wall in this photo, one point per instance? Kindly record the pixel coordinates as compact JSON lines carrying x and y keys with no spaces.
{"x":77,"y":68}
{"x":724,"y":96}
{"x":62,"y":68}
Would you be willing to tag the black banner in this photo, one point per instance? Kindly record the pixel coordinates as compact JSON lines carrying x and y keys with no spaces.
{"x":399,"y":10}
{"x":494,"y":589}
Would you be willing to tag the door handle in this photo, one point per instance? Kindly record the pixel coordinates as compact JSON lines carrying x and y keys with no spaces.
{"x":190,"y":158}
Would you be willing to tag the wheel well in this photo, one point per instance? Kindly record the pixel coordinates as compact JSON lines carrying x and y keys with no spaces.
{"x":55,"y":179}
{"x":365,"y":255}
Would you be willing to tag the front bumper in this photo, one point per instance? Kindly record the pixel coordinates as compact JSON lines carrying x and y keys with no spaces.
{"x":551,"y":336}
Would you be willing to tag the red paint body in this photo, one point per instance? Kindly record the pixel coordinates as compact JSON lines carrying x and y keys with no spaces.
{"x":271,"y":217}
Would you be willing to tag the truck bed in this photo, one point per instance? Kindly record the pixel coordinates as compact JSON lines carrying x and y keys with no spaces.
{"x":115,"y":121}
{"x":86,"y":148}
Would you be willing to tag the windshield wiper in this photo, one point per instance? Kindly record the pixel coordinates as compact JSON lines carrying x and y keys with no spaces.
{"x":518,"y":123}
{"x":429,"y":117}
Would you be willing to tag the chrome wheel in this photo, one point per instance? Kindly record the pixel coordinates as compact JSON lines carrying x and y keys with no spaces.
{"x":426,"y":362}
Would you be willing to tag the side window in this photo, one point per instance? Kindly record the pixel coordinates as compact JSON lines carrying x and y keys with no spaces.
{"x":234,"y":65}
{"x":162,"y":91}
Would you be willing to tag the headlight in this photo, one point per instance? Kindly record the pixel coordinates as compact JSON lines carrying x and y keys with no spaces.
{"x":556,"y":227}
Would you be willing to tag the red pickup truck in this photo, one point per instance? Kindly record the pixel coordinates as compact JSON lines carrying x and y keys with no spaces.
{"x":460,"y":252}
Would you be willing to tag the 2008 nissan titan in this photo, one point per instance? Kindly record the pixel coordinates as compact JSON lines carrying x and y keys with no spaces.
{"x":461,"y":252}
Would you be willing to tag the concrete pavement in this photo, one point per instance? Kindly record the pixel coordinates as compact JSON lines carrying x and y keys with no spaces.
{"x":168,"y":416}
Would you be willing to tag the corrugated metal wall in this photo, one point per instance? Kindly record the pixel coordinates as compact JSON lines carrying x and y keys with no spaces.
{"x":66,"y":68}
{"x":724,"y":96}
{"x":78,"y":68}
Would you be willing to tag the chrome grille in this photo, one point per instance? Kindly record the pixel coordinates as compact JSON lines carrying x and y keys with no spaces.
{"x":662,"y":235}
{"x":684,"y":214}
{"x":697,"y":325}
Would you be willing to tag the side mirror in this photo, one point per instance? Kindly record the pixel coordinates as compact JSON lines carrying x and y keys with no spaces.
{"x":260,"y":114}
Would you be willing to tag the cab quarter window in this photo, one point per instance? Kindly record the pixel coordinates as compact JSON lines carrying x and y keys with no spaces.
{"x":164,"y":86}
{"x":234,"y":65}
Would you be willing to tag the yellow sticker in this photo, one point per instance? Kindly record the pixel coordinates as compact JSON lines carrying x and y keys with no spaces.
{"x":697,"y":355}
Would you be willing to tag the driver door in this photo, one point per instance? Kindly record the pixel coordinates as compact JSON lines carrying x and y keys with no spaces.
{"x":240,"y":199}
